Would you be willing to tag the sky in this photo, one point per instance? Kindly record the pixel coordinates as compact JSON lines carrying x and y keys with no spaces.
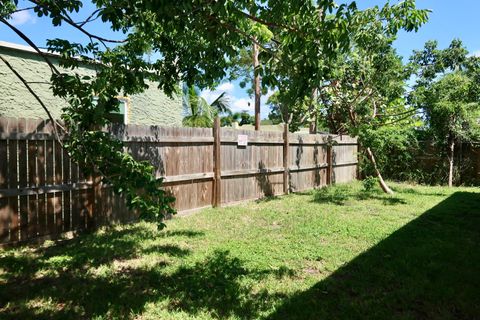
{"x":449,"y":19}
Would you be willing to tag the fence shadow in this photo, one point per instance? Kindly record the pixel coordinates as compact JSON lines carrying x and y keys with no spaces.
{"x":334,"y":163}
{"x":263,"y":180}
{"x":426,"y":270}
{"x":299,"y":152}
{"x":316,"y":152}
{"x":141,"y":150}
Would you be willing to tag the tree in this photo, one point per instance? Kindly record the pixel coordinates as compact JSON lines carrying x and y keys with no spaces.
{"x":241,"y":118}
{"x":368,"y":93}
{"x":199,"y":112}
{"x":246,"y":66}
{"x":278,"y":111}
{"x":256,"y":84}
{"x":296,"y":114}
{"x":229,"y":119}
{"x":190,"y":41}
{"x":366,"y":88}
{"x":246,"y":118}
{"x":447,"y":89}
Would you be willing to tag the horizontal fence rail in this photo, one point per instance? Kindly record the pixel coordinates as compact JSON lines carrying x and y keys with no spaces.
{"x":43,"y":193}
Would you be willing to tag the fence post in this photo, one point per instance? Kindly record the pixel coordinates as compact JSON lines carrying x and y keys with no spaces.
{"x":286,"y":173}
{"x":329,"y":161}
{"x":217,"y":187}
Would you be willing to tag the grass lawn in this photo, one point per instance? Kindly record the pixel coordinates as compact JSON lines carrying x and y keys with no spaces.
{"x":336,"y":253}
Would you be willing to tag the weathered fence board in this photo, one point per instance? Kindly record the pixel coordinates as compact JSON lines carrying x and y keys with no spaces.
{"x":4,"y":208}
{"x":44,"y":194}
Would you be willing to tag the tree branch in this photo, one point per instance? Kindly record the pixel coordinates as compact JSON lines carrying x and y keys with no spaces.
{"x":23,"y":9}
{"x":398,"y":114}
{"x":79,"y":27}
{"x":266,"y":23}
{"x":235,"y":29}
{"x":395,"y":121}
{"x":30,"y":42}
{"x":90,"y":18}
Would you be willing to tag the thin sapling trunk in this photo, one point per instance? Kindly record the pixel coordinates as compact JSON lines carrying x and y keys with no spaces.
{"x":382,"y":182}
{"x":451,"y":154}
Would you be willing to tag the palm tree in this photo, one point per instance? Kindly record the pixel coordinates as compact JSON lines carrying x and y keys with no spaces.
{"x":199,"y":112}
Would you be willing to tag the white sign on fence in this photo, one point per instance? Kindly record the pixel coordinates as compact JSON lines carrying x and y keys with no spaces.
{"x":242,"y":140}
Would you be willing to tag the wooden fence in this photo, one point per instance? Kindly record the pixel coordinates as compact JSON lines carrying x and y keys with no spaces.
{"x":43,"y":194}
{"x":432,"y":160}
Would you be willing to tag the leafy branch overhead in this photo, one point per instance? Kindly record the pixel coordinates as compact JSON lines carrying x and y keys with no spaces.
{"x":193,"y":42}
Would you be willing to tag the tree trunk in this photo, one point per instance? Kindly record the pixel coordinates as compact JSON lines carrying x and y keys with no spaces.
{"x":451,"y":153}
{"x":382,"y":183}
{"x":256,"y":86}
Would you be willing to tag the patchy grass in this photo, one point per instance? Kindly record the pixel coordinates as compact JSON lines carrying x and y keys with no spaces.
{"x":335,"y":253}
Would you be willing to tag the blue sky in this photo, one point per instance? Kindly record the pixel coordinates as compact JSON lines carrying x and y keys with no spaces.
{"x":449,"y":19}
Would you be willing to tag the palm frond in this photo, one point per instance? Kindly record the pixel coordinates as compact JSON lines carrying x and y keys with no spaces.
{"x":222,"y":103}
{"x":197,"y":121}
{"x":198,"y":113}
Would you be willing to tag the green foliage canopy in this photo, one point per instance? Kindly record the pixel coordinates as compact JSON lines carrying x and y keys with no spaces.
{"x":194,"y":41}
{"x":447,"y":89}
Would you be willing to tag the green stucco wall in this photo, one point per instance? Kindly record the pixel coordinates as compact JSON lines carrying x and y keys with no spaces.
{"x":152,"y":107}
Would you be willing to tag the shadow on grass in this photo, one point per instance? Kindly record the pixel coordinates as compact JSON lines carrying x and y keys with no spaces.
{"x":419,"y":192}
{"x":182,"y":233}
{"x":267,"y":199}
{"x":426,"y":270}
{"x":429,"y":269}
{"x":341,"y":194}
{"x":60,"y":283}
{"x":92,"y":250}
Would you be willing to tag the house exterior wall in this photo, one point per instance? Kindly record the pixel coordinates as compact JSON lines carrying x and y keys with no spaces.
{"x":151,"y":107}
